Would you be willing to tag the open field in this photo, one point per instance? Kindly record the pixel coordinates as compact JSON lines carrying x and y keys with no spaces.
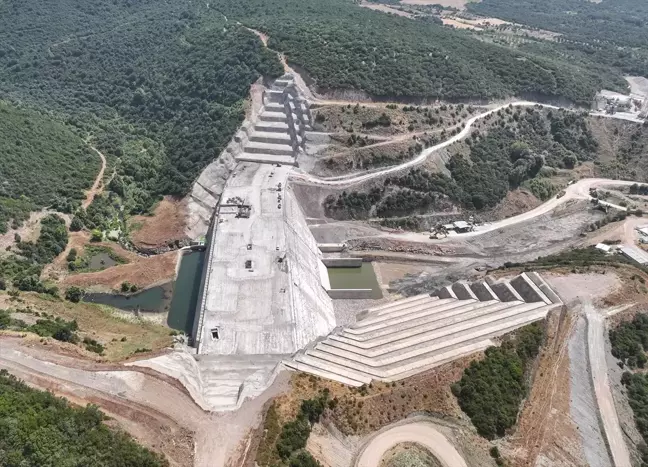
{"x":121,"y":337}
{"x":460,"y":4}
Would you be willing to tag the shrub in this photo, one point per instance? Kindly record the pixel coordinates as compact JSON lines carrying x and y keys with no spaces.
{"x":490,"y":391}
{"x":74,"y":294}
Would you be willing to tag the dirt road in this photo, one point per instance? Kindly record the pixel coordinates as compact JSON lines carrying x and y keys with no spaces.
{"x":353,"y":179}
{"x":608,"y":413}
{"x":97,"y":186}
{"x":418,"y":432}
{"x":576,"y":191}
{"x":156,"y":410}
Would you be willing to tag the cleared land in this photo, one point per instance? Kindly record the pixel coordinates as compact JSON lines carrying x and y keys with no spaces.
{"x":165,"y":226}
{"x":421,"y":433}
{"x":461,"y":4}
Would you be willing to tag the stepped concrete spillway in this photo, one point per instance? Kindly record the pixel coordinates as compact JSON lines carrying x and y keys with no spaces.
{"x":391,"y":342}
{"x":278,"y":134}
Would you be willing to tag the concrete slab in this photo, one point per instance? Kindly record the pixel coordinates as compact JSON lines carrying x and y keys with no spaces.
{"x":262,"y":294}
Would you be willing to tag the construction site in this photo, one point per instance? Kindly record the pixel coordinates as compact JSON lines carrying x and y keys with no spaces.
{"x":293,"y":303}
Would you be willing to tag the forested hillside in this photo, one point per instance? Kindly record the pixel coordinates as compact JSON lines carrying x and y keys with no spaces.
{"x":344,"y":46}
{"x":159,"y":84}
{"x":513,"y":147}
{"x":41,"y":430}
{"x":610,"y":31}
{"x":42,"y":164}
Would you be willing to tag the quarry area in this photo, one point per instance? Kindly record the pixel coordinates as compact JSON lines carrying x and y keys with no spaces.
{"x":377,"y":323}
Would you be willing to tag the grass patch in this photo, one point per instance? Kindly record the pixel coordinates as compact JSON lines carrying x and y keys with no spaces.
{"x":103,"y":325}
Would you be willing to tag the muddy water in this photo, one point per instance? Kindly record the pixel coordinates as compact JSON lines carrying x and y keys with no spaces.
{"x":101,"y":261}
{"x":185,"y":292}
{"x":153,"y":300}
{"x":363,"y":277}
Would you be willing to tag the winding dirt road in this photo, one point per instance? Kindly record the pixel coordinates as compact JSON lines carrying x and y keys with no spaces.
{"x":354,"y":178}
{"x":418,"y":432}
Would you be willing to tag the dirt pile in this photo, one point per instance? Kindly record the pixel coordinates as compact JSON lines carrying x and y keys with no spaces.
{"x":166,"y":226}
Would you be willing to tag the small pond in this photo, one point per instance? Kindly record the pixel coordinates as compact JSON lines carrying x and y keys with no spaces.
{"x":363,"y":277}
{"x":153,"y":300}
{"x":100,"y":261}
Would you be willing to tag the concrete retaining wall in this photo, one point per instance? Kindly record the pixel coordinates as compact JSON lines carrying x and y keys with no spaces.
{"x":342,"y":262}
{"x":350,"y":293}
{"x":331,"y":247}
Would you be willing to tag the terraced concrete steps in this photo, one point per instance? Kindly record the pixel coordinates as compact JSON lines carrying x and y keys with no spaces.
{"x":272,"y":127}
{"x":270,"y":137}
{"x":273,"y":117}
{"x":255,"y":147}
{"x":266,"y":159}
{"x":400,"y":339}
{"x":279,"y":129}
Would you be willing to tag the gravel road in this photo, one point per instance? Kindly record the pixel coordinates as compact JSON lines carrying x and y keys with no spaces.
{"x":607,"y":410}
{"x":421,"y":433}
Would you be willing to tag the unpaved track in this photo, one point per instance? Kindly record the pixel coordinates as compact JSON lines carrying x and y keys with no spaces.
{"x":97,"y":185}
{"x":419,"y":432}
{"x":576,"y":191}
{"x":607,"y":410}
{"x":353,"y":179}
{"x":155,"y":411}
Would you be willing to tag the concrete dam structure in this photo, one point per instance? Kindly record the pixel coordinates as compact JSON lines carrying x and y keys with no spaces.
{"x":391,"y":342}
{"x":262,"y":298}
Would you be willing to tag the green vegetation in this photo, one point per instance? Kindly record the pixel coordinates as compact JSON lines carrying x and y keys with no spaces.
{"x":160,"y":85}
{"x":578,"y":257}
{"x":343,"y":46}
{"x":24,"y":269}
{"x":512,"y":151}
{"x":630,"y":341}
{"x":627,"y":161}
{"x":51,"y":242}
{"x":74,"y":294}
{"x":283,"y":446}
{"x":610,"y":32}
{"x":42,"y":430}
{"x":59,"y":329}
{"x":541,"y":188}
{"x":490,"y":391}
{"x":637,"y":387}
{"x":93,"y":346}
{"x":65,"y":165}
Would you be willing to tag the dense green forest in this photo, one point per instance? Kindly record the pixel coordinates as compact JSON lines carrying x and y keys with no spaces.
{"x":43,"y":164}
{"x":630,"y":340}
{"x":343,"y":46}
{"x":611,"y":31}
{"x":40,"y":430}
{"x":637,"y":387}
{"x":160,"y":85}
{"x":491,"y":390}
